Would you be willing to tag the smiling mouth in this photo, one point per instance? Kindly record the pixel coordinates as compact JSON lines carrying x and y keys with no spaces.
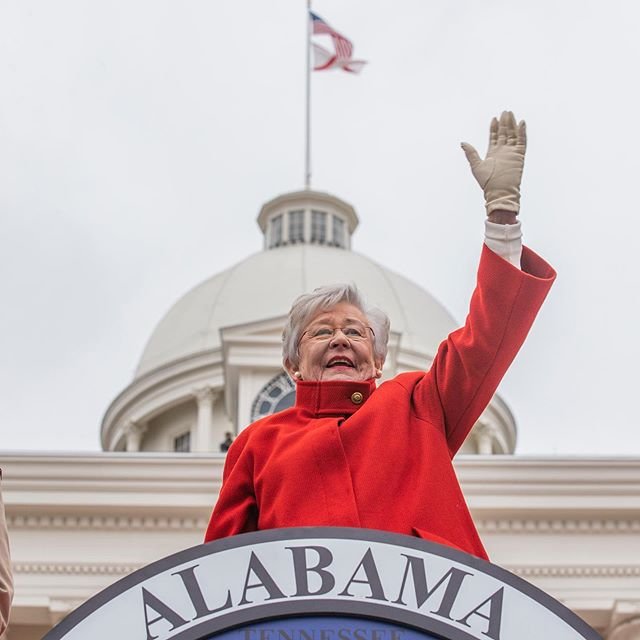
{"x":340,"y":362}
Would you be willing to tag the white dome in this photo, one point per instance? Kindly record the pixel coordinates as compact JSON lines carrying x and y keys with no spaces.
{"x":265,"y":284}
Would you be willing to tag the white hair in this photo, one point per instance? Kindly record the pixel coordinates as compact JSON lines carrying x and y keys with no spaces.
{"x":308,"y":305}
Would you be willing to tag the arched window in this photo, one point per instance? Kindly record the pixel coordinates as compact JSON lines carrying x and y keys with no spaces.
{"x":278,"y":394}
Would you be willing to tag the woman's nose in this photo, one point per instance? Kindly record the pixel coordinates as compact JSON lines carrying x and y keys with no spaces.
{"x":339,"y":339}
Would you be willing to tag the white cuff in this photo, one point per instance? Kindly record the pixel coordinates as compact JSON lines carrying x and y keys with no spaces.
{"x":505,"y":240}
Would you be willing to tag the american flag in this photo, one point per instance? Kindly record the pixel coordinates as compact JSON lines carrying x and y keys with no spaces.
{"x":343,"y":47}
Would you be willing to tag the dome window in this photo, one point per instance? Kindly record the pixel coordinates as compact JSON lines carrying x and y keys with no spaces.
{"x":296,"y":226}
{"x":338,"y":232}
{"x":182,"y":443}
{"x":275,"y":232}
{"x":319,"y":227}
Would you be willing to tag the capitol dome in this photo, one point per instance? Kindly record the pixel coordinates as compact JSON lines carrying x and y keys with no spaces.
{"x":213,"y":363}
{"x":275,"y":278}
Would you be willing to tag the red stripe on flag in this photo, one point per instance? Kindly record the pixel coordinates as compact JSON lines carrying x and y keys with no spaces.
{"x":342,"y":45}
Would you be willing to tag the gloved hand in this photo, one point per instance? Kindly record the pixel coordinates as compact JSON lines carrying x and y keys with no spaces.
{"x":500,"y":173}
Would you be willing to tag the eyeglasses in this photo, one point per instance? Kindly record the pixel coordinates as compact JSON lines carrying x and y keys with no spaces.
{"x":353,"y":331}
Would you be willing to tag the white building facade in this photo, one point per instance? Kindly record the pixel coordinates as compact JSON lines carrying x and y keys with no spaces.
{"x":213,"y":365}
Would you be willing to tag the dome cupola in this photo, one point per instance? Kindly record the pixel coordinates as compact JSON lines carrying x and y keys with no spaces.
{"x":307,"y":217}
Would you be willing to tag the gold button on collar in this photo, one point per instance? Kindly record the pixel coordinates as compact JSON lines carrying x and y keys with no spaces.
{"x":357,"y":397}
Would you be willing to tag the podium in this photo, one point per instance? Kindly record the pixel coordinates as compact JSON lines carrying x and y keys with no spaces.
{"x":324,"y":583}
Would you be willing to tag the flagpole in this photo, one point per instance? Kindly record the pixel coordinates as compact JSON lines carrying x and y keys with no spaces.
{"x":307,"y":172}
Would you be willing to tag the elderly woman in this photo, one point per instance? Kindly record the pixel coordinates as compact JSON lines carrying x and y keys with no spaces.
{"x":352,"y":454}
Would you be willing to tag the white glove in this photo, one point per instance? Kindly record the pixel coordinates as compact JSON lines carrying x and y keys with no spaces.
{"x":500,"y":173}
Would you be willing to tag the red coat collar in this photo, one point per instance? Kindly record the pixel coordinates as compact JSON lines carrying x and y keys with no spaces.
{"x":333,"y":398}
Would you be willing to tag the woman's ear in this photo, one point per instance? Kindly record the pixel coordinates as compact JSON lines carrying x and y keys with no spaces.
{"x":291,"y":370}
{"x":378,"y":365}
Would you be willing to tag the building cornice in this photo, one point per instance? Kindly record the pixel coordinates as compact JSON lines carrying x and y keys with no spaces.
{"x":114,"y":484}
{"x":524,"y":571}
{"x":548,"y":493}
{"x":197,"y":522}
{"x":574,"y":526}
{"x":560,"y":489}
{"x":75,"y":568}
{"x":481,"y":474}
{"x":106,"y":522}
{"x":575,"y":571}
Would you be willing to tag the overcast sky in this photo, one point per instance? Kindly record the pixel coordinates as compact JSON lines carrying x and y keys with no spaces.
{"x":139,"y":138}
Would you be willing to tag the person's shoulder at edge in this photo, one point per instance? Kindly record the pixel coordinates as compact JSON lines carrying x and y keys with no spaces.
{"x":6,"y":578}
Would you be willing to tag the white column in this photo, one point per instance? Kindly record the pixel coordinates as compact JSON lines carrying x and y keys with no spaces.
{"x":249,"y":384}
{"x":306,"y":217}
{"x":204,"y":428}
{"x":484,"y":434}
{"x":133,"y":432}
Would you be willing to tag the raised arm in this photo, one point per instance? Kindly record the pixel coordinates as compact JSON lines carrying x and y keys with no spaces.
{"x":511,"y":286}
{"x":472,"y":361}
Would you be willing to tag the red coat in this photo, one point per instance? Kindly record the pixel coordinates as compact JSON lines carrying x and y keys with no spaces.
{"x":385,"y":463}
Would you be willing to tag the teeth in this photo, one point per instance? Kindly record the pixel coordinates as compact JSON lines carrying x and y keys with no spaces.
{"x":345,"y":363}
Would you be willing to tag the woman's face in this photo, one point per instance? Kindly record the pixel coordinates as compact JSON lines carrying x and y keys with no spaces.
{"x":337,"y":345}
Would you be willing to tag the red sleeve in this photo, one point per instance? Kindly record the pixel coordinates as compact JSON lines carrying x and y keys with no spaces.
{"x":236,"y":510}
{"x":472,"y":360}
